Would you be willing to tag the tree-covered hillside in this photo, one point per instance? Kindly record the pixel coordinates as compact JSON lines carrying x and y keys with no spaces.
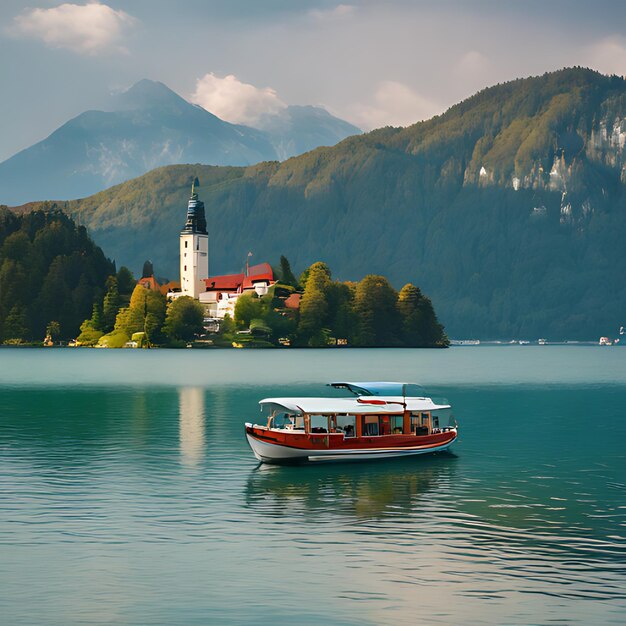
{"x":508,"y":210}
{"x":51,"y":273}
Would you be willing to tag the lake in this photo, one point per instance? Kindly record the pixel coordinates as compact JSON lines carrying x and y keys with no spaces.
{"x":128,"y":494}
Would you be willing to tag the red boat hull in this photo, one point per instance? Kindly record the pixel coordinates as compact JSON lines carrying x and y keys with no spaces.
{"x":277,"y":446}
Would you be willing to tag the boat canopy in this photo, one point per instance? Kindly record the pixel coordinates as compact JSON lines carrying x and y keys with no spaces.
{"x":362,"y":405}
{"x":408,"y":390}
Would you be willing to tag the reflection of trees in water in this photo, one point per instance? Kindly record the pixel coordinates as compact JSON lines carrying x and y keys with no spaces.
{"x":362,"y":489}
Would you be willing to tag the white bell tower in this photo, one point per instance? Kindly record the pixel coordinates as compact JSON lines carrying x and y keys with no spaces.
{"x":194,"y":248}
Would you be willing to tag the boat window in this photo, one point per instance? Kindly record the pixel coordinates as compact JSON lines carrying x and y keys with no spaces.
{"x":419,"y":423}
{"x":346,"y":424}
{"x":319,"y":423}
{"x":283,"y":420}
{"x":396,"y":424}
{"x":370,"y":425}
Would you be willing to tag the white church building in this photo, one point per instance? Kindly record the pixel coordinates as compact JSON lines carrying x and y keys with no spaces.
{"x":218,"y":293}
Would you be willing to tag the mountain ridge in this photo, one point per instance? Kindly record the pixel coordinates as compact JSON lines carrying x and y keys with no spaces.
{"x":508,"y":209}
{"x":147,"y":126}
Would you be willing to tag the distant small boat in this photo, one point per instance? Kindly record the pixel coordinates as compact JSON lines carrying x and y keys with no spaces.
{"x":381,"y":420}
{"x":541,"y":342}
{"x":465,"y":342}
{"x":605,"y":341}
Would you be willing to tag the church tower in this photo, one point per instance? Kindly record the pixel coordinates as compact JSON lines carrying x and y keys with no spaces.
{"x":194,"y":248}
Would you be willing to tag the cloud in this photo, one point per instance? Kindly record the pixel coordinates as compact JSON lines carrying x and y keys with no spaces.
{"x":473,"y":62}
{"x":339,"y":12}
{"x":235,"y":101}
{"x":393,"y":104}
{"x":608,"y":56}
{"x":88,"y":28}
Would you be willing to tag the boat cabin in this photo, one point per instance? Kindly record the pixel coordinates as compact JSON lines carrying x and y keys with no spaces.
{"x":359,"y":416}
{"x":357,"y":425}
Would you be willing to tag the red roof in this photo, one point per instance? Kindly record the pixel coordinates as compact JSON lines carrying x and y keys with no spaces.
{"x":261,"y":268}
{"x":293,"y":301}
{"x":228,"y":282}
{"x":149,"y":282}
{"x":233,"y":282}
{"x":173,"y":285}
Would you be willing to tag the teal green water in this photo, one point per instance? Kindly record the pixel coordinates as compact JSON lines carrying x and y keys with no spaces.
{"x":128,"y":494}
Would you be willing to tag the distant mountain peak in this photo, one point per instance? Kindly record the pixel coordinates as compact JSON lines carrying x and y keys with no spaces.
{"x":146,"y":94}
{"x":149,"y":126}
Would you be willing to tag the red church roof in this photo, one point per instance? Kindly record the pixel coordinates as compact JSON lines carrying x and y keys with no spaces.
{"x":236,"y":282}
{"x":228,"y":282}
{"x":261,"y":268}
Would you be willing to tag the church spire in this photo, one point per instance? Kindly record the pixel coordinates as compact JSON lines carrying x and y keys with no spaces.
{"x":196,"y":221}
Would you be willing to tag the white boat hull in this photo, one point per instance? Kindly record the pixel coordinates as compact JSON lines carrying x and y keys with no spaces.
{"x":276,"y":453}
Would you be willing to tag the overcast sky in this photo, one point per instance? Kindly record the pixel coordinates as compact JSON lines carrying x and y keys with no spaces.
{"x":371,"y":63}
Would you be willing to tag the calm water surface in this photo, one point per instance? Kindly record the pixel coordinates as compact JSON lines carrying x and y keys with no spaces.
{"x":128,"y":494}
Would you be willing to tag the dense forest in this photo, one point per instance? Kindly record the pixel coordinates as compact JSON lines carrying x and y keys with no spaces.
{"x":55,"y":282}
{"x":50,"y":274}
{"x":508,"y":209}
{"x":370,"y":313}
{"x":328,"y":313}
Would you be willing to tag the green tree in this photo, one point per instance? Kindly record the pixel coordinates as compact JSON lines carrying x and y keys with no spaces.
{"x":125,"y":281}
{"x":16,"y":324}
{"x":228,"y":325}
{"x":145,"y":313}
{"x":53,"y":330}
{"x":377,"y":316}
{"x":314,"y":302}
{"x":110,"y":305}
{"x":305,"y":275}
{"x":55,"y":297}
{"x":286,"y":275}
{"x":152,"y":327}
{"x":420,"y":326}
{"x":342,"y":317}
{"x":260,"y":328}
{"x":13,"y":286}
{"x":128,"y":321}
{"x":89,"y":335}
{"x":95,"y":321}
{"x":247,"y":308}
{"x":184,"y":319}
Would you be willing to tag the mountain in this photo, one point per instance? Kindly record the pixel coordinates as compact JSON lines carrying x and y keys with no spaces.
{"x":508,"y":210}
{"x":298,"y":129}
{"x":150,"y":126}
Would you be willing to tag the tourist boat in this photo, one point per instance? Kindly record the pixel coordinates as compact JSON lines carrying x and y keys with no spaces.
{"x":378,"y":420}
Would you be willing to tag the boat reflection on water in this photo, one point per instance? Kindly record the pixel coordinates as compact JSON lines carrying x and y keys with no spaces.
{"x":363,"y":491}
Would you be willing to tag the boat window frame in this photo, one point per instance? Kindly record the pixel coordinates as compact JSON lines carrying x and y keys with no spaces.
{"x":365,"y":416}
{"x":354,"y":417}
{"x":309,"y":431}
{"x":396,"y":422}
